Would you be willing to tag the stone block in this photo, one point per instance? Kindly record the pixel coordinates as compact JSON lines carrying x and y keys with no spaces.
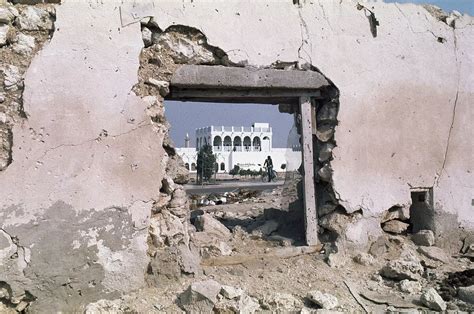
{"x":433,"y":300}
{"x":424,"y":238}
{"x":324,"y":300}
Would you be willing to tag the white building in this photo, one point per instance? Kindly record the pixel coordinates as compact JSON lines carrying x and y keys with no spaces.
{"x":246,"y":147}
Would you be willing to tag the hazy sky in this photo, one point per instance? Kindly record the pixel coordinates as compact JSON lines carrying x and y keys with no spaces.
{"x":463,"y":6}
{"x":186,"y":117}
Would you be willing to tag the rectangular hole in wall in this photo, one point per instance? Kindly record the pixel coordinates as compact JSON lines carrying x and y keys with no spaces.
{"x":238,"y":193}
{"x":421,"y":210}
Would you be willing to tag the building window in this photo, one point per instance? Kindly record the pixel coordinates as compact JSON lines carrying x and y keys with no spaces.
{"x":186,"y":165}
{"x":222,"y":166}
{"x":193,"y":167}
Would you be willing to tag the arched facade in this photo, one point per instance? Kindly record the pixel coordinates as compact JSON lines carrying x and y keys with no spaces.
{"x":217,"y":142}
{"x":266,"y":144}
{"x":256,"y":143}
{"x":227,"y":143}
{"x":247,"y":143}
{"x":237,"y":144}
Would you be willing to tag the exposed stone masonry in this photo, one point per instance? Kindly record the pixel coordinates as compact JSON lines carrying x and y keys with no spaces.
{"x":24,"y":29}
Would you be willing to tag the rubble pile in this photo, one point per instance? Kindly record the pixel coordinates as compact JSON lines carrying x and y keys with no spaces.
{"x":24,"y":29}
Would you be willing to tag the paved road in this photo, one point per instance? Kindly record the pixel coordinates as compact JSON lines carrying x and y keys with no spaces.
{"x":230,"y":186}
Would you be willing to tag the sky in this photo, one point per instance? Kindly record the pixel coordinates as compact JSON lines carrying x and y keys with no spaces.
{"x":463,"y":6}
{"x":186,"y":117}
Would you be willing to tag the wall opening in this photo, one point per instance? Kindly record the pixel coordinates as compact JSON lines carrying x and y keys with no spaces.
{"x":422,"y":216}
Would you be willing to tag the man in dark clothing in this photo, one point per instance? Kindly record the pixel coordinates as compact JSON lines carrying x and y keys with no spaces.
{"x":269,"y":164}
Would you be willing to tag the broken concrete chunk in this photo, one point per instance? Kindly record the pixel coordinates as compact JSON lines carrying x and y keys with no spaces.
{"x":409,"y":286}
{"x":211,"y":225}
{"x":325,"y":133}
{"x":424,"y":238}
{"x":468,"y":244}
{"x":34,"y":19}
{"x":402,"y":269}
{"x":396,"y":212}
{"x":364,"y":259}
{"x":435,"y":253}
{"x":4,"y":34}
{"x":104,"y":306}
{"x":146,"y":35}
{"x":200,"y":297}
{"x":6,"y":16}
{"x":433,"y":300}
{"x":167,"y":185}
{"x":179,"y":198}
{"x":466,"y":294}
{"x":231,"y":292}
{"x":189,"y":260}
{"x":166,"y":229}
{"x":324,"y":300}
{"x":280,"y":301}
{"x":24,"y":44}
{"x":395,"y":226}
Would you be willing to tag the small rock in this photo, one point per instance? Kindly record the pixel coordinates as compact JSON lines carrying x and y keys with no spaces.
{"x":146,"y":35}
{"x":364,"y":259}
{"x":324,"y":300}
{"x":395,"y":226}
{"x":24,"y":44}
{"x":435,"y":253}
{"x":327,"y":112}
{"x":424,"y":238}
{"x":433,"y":300}
{"x":211,"y":225}
{"x":179,"y":198}
{"x":2,"y":98}
{"x":12,"y":77}
{"x":408,"y":286}
{"x":4,"y":34}
{"x":231,"y":292}
{"x":325,"y":173}
{"x":104,"y":306}
{"x":402,"y":269}
{"x":466,"y":294}
{"x":335,"y":221}
{"x":33,"y":19}
{"x":325,"y":153}
{"x":325,"y":133}
{"x":183,"y":49}
{"x":200,"y":297}
{"x":280,"y":301}
{"x":163,"y":86}
{"x":337,"y":260}
{"x":6,"y":16}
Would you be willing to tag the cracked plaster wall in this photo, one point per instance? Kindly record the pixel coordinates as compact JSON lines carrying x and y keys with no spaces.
{"x":397,"y":103}
{"x":398,"y":90}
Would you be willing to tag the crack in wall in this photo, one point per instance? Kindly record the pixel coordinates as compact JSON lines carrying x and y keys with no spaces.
{"x":97,"y":139}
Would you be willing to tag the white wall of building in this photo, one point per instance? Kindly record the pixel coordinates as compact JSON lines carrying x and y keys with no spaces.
{"x":246,"y":147}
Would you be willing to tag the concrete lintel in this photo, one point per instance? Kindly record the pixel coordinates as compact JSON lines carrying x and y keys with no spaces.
{"x":203,"y":76}
{"x":310,"y":215}
{"x":262,"y":96}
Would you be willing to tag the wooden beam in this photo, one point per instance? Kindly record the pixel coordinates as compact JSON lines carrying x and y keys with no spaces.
{"x":310,"y":217}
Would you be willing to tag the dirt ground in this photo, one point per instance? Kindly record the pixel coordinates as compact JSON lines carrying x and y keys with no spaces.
{"x":263,"y":266}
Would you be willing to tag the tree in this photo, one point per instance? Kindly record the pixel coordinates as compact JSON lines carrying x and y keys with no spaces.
{"x":234,"y":171}
{"x":206,"y":161}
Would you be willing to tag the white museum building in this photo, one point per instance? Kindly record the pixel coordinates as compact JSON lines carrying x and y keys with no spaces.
{"x":246,"y":147}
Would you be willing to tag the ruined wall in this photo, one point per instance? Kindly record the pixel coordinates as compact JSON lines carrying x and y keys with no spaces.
{"x":84,"y":181}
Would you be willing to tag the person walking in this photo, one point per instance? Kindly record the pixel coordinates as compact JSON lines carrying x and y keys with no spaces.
{"x":269,"y":165}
